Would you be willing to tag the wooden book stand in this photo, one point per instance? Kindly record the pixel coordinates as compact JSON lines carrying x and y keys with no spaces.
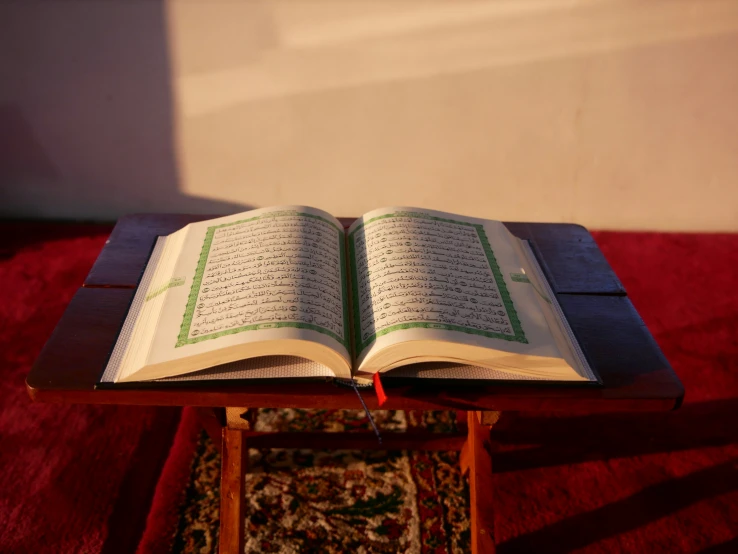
{"x":635,"y":375}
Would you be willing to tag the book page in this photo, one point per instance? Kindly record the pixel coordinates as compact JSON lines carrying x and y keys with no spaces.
{"x":426,"y":275}
{"x":269,"y":274}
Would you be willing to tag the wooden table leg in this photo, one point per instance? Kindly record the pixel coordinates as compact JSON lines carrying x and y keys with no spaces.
{"x":476,"y":460}
{"x":233,"y":468}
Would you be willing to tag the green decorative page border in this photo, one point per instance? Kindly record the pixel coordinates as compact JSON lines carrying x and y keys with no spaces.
{"x":519,"y":335}
{"x":183,"y":338}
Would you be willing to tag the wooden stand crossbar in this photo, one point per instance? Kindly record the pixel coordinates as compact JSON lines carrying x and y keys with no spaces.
{"x":473,"y":441}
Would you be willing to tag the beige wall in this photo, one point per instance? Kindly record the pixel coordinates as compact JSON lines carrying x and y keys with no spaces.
{"x":609,"y":113}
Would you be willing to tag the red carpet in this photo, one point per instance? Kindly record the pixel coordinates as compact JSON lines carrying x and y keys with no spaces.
{"x":72,"y":478}
{"x":82,"y":478}
{"x":663,"y":482}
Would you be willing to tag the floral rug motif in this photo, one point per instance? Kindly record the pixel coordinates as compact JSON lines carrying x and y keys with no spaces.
{"x":336,"y":501}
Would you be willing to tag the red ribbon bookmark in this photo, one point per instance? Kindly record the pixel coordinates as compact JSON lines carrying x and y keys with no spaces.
{"x":379,"y":389}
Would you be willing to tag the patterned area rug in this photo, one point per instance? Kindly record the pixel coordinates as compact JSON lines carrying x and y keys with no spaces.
{"x":336,"y":501}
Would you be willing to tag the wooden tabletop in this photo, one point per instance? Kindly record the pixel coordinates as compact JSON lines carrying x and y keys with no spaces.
{"x":634,"y":372}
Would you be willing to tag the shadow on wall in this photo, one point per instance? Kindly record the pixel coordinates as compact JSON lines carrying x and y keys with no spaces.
{"x":86,"y":121}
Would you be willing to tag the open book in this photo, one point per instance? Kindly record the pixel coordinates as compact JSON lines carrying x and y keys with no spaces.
{"x":287,"y":292}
